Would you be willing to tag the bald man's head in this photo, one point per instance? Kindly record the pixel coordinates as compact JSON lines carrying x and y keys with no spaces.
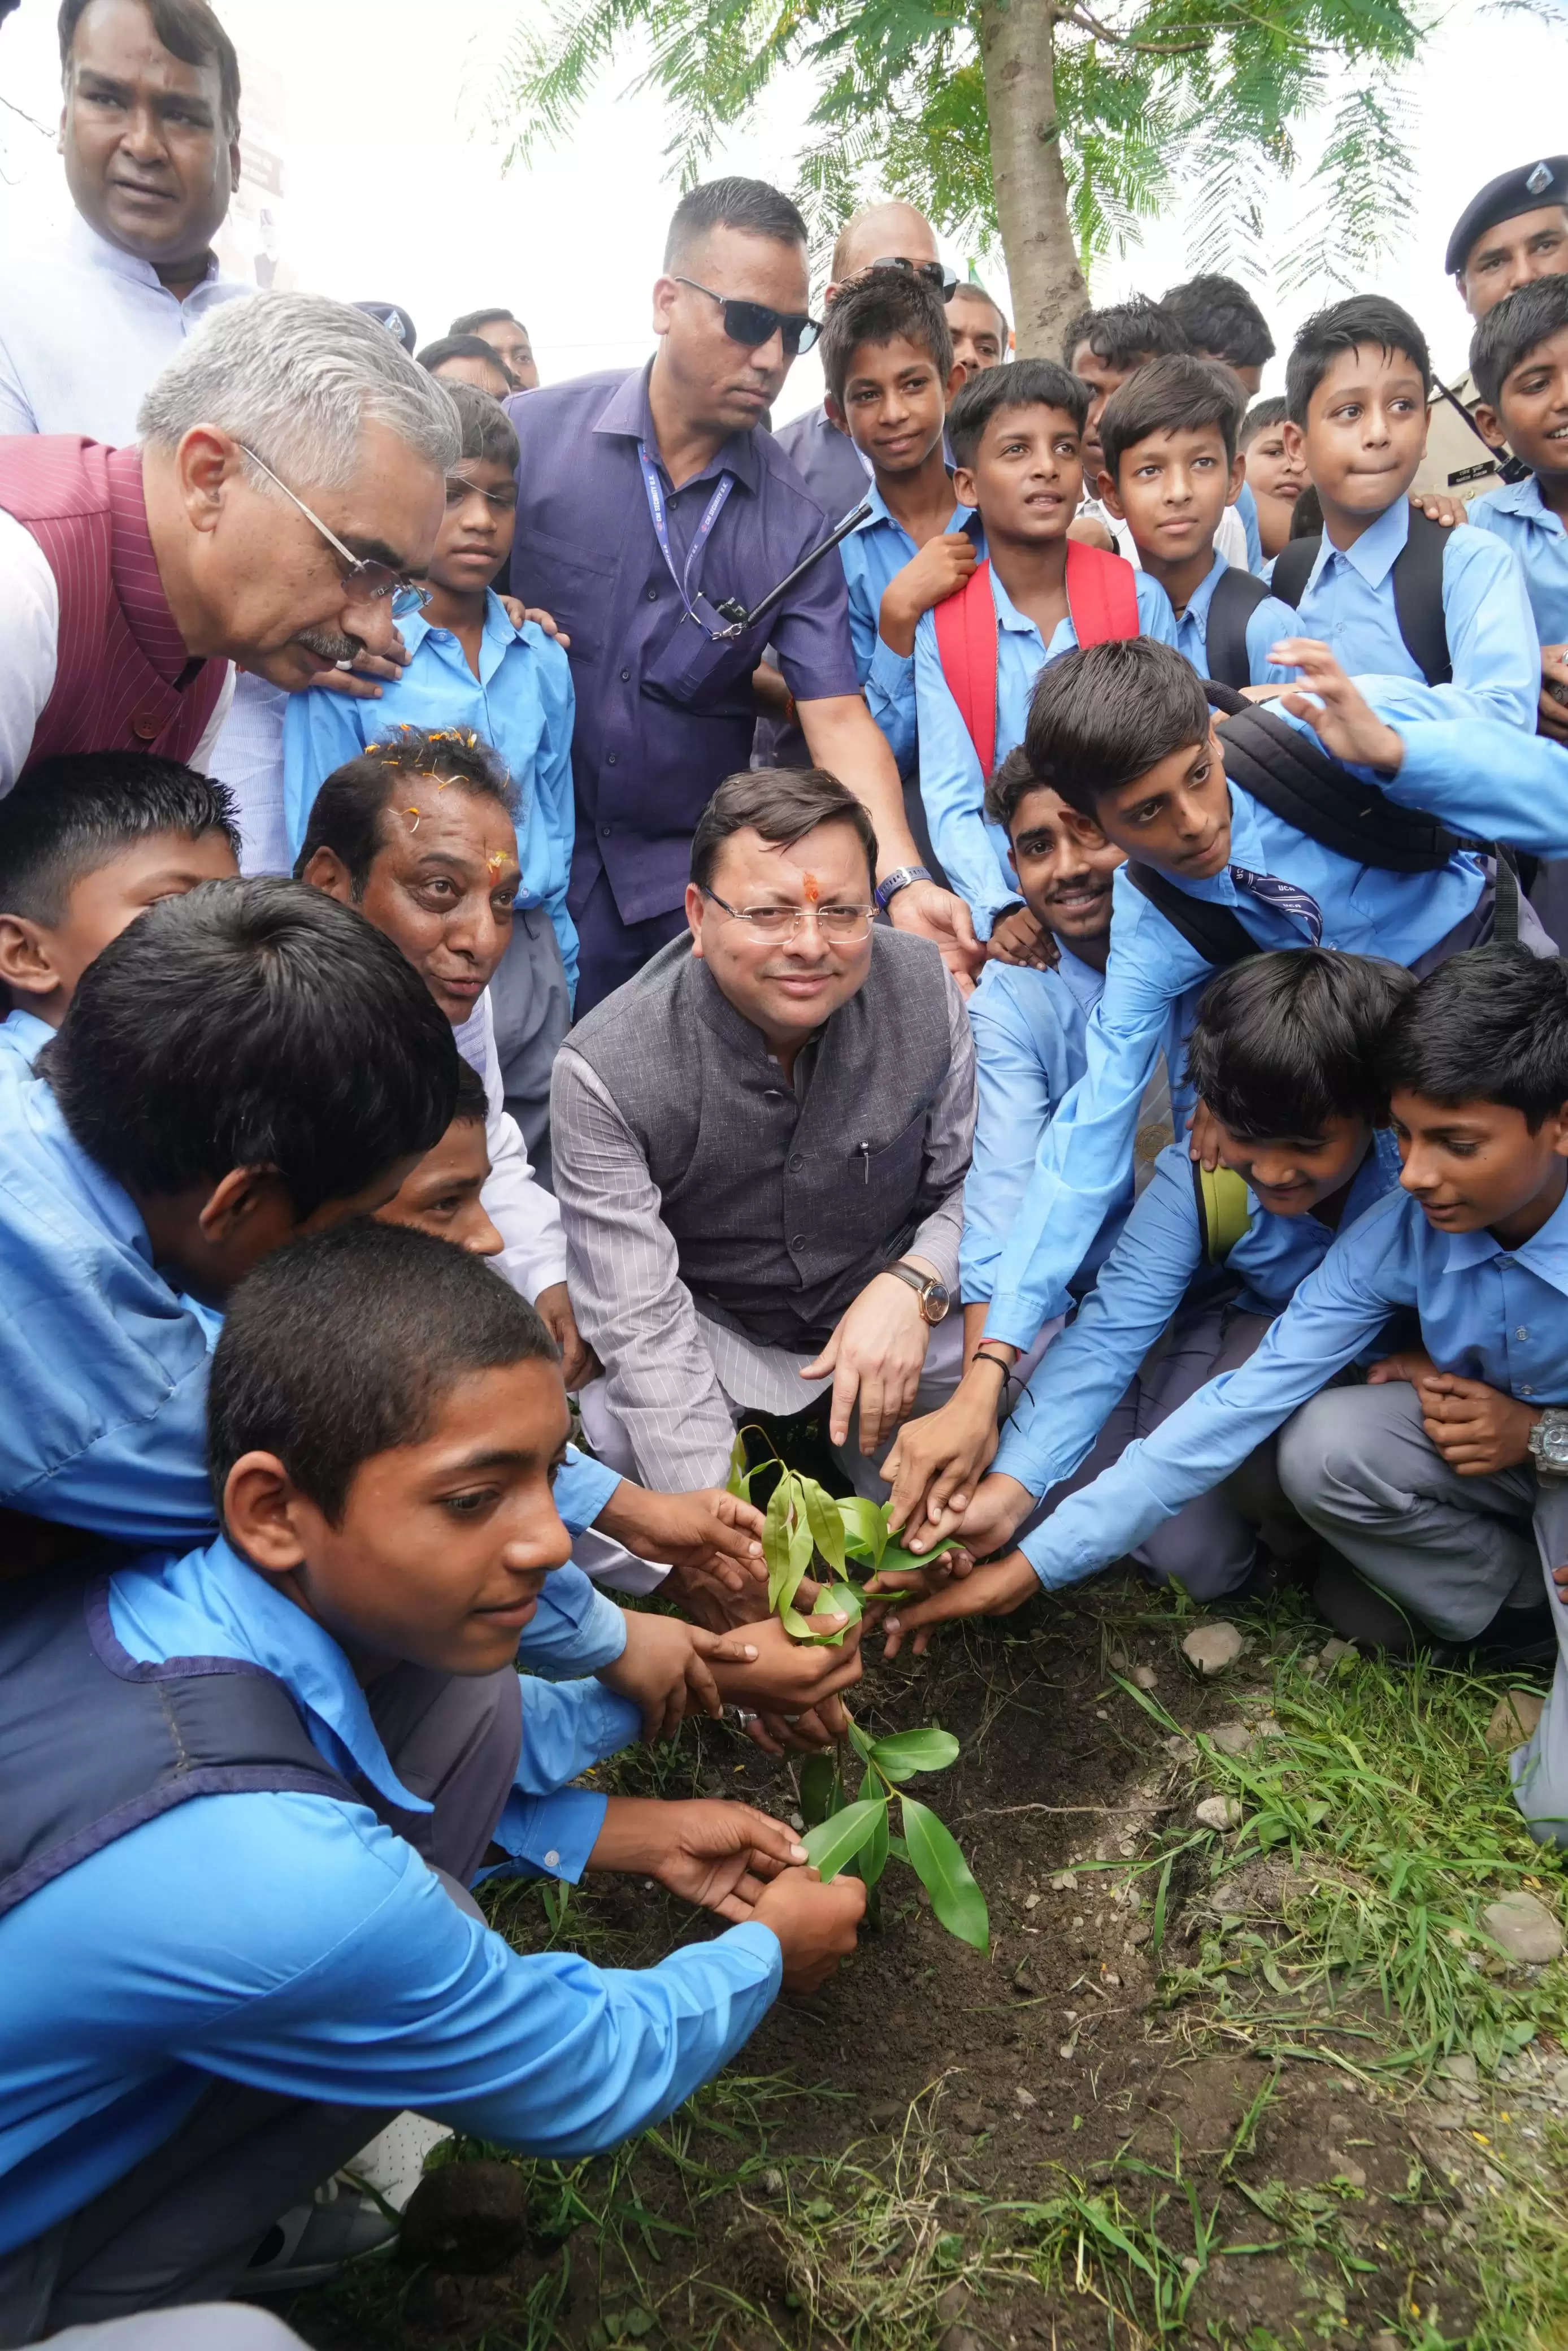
{"x":884,"y":231}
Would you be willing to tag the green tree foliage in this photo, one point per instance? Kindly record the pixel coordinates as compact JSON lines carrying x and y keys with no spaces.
{"x":1057,"y":123}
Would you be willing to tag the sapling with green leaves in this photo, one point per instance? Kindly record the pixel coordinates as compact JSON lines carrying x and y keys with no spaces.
{"x":809,"y":1533}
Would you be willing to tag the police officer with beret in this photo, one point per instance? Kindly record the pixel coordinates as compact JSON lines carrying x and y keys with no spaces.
{"x":1514,"y":229}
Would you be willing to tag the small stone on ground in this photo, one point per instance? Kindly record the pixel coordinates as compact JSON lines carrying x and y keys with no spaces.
{"x":1218,"y":1813}
{"x":1524,"y":1927}
{"x":1514,"y":1718}
{"x":1211,"y":1647}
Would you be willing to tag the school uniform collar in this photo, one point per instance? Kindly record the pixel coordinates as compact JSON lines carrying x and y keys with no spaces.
{"x":497,"y":640}
{"x":1007,"y":613}
{"x":1374,"y":554}
{"x":1198,"y":603}
{"x":1545,"y":1254}
{"x":28,"y":1032}
{"x":962,"y":515}
{"x":233,"y":1610}
{"x":107,"y":1203}
{"x":1082,"y":982}
{"x":1524,"y":499}
{"x":627,"y":417}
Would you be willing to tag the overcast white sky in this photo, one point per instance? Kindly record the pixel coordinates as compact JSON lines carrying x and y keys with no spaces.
{"x":394,"y":190}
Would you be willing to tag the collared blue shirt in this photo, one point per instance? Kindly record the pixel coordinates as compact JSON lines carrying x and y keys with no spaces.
{"x":1028,"y":1029}
{"x":873,"y":556}
{"x":1518,"y":516}
{"x":662,"y":713}
{"x":292,"y":1943}
{"x":1348,"y":601}
{"x":25,"y":1036}
{"x":1142,"y":1284}
{"x":826,"y":460}
{"x":1266,"y":626}
{"x":521,"y":702}
{"x":1246,"y":505}
{"x":974,"y":854}
{"x":1365,"y":911}
{"x":104,"y":1369}
{"x":1487,"y":1314}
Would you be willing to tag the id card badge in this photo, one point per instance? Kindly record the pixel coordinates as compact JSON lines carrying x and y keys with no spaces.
{"x":719,"y":621}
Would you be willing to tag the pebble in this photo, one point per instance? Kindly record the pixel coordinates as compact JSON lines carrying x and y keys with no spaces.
{"x":1344,"y":2169}
{"x":1333,"y":1650}
{"x":797,"y":1822}
{"x":1218,"y":1813}
{"x":1022,"y":2097}
{"x":1146,"y":1677}
{"x":773,"y":2181}
{"x":1513,"y":1718}
{"x":1119,"y":1660}
{"x":1211,"y":1647}
{"x":1524,"y":1927}
{"x":1140,"y":1933}
{"x":1032,"y":1901}
{"x":1461,"y":2070}
{"x":1231,"y":1738}
{"x":1063,"y":1881}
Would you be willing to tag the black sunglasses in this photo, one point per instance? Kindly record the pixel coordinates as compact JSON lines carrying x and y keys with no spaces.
{"x":936,"y":273}
{"x":752,"y":324}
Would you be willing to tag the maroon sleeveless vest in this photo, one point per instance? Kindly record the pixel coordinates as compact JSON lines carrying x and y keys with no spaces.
{"x":123,"y":679}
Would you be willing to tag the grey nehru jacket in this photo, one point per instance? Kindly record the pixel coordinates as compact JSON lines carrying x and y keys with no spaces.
{"x":696,"y":1180}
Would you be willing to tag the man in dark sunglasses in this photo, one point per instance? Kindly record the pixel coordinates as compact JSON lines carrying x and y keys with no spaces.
{"x":652,"y":519}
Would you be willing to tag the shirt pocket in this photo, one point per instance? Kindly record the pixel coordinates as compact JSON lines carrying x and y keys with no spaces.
{"x":693,"y":672}
{"x":885,"y":1183}
{"x":574,"y":588}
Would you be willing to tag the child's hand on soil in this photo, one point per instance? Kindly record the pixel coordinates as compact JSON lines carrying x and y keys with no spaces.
{"x":786,"y":1676}
{"x":718,"y":1854}
{"x":815,"y":1923}
{"x":994,"y":1589}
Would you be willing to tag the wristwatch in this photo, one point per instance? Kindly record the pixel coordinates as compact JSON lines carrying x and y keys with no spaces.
{"x":1548,"y":1444}
{"x":932,"y":1293}
{"x":899,"y":879}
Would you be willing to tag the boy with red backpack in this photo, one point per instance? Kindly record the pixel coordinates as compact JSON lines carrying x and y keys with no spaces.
{"x":1015,"y":434}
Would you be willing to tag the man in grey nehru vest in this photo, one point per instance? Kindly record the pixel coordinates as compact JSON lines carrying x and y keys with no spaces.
{"x":760,"y":1144}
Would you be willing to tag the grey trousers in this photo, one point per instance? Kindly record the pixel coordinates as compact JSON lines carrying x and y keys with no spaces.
{"x":532,"y":1011}
{"x":1211,"y":1544}
{"x":181,"y":2225}
{"x":1451,"y":1550}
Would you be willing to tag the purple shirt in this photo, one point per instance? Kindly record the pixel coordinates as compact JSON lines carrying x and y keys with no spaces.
{"x":662,"y":713}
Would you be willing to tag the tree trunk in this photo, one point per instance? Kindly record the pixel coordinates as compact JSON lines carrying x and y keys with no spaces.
{"x":1027,"y":171}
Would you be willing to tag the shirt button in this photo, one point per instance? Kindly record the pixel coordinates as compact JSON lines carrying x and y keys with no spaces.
{"x":797,"y":1159}
{"x":146,"y":730}
{"x":604,"y":831}
{"x":1527,"y":1391}
{"x":610,"y":758}
{"x":1522,"y":1333}
{"x":652,"y":595}
{"x":552,"y":1858}
{"x":798,"y":1241}
{"x":625,"y":675}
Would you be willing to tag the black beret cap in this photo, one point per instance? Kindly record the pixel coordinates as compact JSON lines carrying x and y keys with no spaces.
{"x":1525,"y":189}
{"x":395,"y":318}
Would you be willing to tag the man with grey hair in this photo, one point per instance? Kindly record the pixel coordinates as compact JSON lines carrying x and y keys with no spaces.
{"x":288,"y":481}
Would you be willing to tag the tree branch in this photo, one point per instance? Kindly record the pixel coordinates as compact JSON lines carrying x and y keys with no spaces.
{"x":1080,"y":15}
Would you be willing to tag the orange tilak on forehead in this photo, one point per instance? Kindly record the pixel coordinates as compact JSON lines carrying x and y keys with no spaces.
{"x":812,"y":888}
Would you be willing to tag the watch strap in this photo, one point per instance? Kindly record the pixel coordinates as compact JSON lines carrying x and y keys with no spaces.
{"x":918,"y":1282}
{"x":899,"y":879}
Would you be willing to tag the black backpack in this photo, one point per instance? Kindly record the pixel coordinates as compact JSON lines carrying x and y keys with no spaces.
{"x":1237,"y":596}
{"x":1294,"y":777}
{"x":1418,"y":591}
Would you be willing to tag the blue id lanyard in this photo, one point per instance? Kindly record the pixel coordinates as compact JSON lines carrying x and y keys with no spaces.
{"x":704,"y":532}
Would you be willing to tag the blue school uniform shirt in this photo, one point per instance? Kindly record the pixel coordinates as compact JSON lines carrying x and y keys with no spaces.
{"x":1487,"y":1314}
{"x":292,"y":1943}
{"x":23,"y":1037}
{"x":872,"y":556}
{"x":1457,"y":778}
{"x":104,"y":1367}
{"x":974,"y":854}
{"x":1348,"y":601}
{"x":1517,"y":515}
{"x":1158,"y":1258}
{"x":1271,"y":620}
{"x":521,"y":701}
{"x":1247,"y":507}
{"x":1028,"y":1029}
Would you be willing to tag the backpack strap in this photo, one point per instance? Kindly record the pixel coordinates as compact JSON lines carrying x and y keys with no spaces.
{"x":1293,"y":569}
{"x":1102,"y":594}
{"x":1219,"y":935}
{"x":967,"y":647}
{"x":1418,"y":598}
{"x":1290,"y":773}
{"x":1224,"y":1210}
{"x":1237,"y":596}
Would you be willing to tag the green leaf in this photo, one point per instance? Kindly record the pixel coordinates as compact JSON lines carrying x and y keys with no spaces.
{"x":827,"y":1527}
{"x":871,"y":1859}
{"x":945,"y":1874}
{"x":835,"y":1600}
{"x":739,"y":1478}
{"x":897,"y":1559}
{"x":865,"y":1529}
{"x":909,"y":1751}
{"x":821,"y":1791}
{"x":776,"y":1541}
{"x":897,"y":1850}
{"x":859,"y":1741}
{"x":834,"y":1842}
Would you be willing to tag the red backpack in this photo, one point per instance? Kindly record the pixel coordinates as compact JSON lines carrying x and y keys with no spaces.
{"x":1102,"y":599}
